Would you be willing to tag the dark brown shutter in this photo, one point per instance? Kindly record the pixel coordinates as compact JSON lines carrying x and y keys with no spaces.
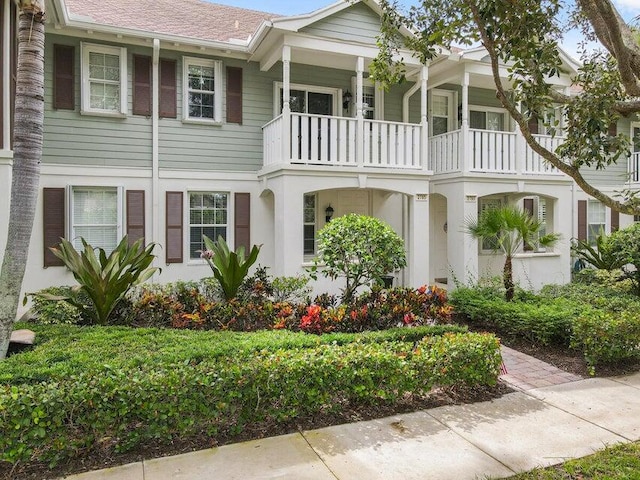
{"x":53,"y":209}
{"x":534,"y":125}
{"x":612,"y":131}
{"x":242,"y":221}
{"x":234,"y":95}
{"x":63,"y":77}
{"x":615,"y":220}
{"x":528,"y":207}
{"x":582,"y":219}
{"x":141,"y":85}
{"x":168,"y":108}
{"x":135,"y":215}
{"x":174,"y":227}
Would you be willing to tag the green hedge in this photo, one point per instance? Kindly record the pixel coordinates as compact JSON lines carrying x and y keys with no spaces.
{"x":607,"y":337}
{"x":118,"y":408}
{"x":538,"y":320}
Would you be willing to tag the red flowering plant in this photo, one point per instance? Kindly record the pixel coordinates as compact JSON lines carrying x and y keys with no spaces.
{"x":320,"y":320}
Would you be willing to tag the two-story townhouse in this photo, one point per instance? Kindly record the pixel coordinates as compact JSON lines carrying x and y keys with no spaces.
{"x":169,"y":120}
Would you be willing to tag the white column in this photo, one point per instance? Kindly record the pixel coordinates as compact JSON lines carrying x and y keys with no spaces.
{"x":155,"y":147}
{"x":424,"y":140}
{"x":521,"y":147}
{"x":286,"y":106}
{"x":418,"y":248}
{"x":288,"y":232}
{"x":466,"y":145}
{"x":462,"y":248}
{"x":6,"y":75}
{"x":359,"y":112}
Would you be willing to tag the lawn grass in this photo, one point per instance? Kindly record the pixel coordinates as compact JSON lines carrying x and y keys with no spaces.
{"x":617,"y":462}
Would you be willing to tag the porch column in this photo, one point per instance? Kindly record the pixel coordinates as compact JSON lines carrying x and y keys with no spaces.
{"x":424,"y":137}
{"x":286,"y":106}
{"x":418,"y":241}
{"x":462,"y":248}
{"x":6,"y":75}
{"x":359,"y":112}
{"x":466,"y":150}
{"x":288,"y":232}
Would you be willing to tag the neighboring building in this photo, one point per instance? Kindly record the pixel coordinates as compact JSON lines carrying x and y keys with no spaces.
{"x":170,"y":119}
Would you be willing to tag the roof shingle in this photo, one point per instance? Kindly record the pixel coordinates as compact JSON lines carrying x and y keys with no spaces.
{"x":186,"y":18}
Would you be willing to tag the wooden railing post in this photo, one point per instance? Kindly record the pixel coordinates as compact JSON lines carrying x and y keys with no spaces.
{"x":359,"y":113}
{"x":465,"y":144}
{"x":286,"y":106}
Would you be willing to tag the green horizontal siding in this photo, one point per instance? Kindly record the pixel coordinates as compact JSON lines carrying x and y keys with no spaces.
{"x":355,"y":24}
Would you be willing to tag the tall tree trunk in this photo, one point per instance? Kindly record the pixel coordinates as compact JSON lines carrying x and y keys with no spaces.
{"x":27,"y":152}
{"x":507,"y":277}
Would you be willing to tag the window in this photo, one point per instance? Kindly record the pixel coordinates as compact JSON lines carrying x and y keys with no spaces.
{"x":372,"y":99}
{"x":596,"y":220}
{"x":489,"y":244}
{"x":486,"y":120}
{"x":104,"y":79}
{"x":536,"y":207}
{"x":309,"y":224}
{"x":208,"y":215}
{"x":441,"y":105}
{"x":308,"y":99}
{"x":95,"y":216}
{"x":202,"y":100}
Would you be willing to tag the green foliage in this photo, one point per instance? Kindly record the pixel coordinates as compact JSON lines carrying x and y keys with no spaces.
{"x":361,"y":249}
{"x":538,"y":321}
{"x":610,"y":280}
{"x":48,"y":311}
{"x":204,"y":386}
{"x":626,"y":245}
{"x":105,"y":280}
{"x":229,"y":268}
{"x":290,"y":289}
{"x":607,"y":297}
{"x":510,"y":228}
{"x":601,"y":255}
{"x":607,"y":337}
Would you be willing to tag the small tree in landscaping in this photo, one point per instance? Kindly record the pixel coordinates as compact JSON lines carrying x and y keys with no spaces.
{"x":360,"y":249}
{"x":625,"y":244}
{"x":509,"y":228}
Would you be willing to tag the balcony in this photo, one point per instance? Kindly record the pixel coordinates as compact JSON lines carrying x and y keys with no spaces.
{"x":634,"y":167}
{"x":489,"y":151}
{"x":343,"y":142}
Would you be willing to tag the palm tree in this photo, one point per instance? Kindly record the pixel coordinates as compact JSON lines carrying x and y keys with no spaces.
{"x":27,"y":152}
{"x":508,"y":229}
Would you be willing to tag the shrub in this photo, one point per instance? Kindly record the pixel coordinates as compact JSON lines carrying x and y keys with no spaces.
{"x":625,"y":244}
{"x":602,"y":255}
{"x":359,"y":248}
{"x":606,"y":297}
{"x":105,"y":280}
{"x":47,"y":311}
{"x":116,"y":406}
{"x":609,"y":279}
{"x":607,"y":337}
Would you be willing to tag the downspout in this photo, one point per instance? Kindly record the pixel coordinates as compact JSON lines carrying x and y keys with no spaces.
{"x":405,"y":101}
{"x":6,"y":76}
{"x":155,"y":156}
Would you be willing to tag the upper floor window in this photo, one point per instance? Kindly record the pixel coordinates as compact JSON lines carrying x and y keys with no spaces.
{"x":96,"y":214}
{"x":202,"y":90}
{"x":486,"y":120}
{"x":441,"y":112}
{"x":104,"y":79}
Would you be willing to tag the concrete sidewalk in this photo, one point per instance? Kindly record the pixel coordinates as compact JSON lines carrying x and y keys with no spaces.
{"x":518,"y":432}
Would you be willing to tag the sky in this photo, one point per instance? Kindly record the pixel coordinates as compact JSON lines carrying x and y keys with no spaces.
{"x":629,"y":9}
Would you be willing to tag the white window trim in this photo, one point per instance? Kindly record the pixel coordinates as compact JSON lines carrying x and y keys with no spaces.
{"x":607,"y":218}
{"x":452,"y":118}
{"x":378,"y":91}
{"x":310,"y":256}
{"x":186,"y":242}
{"x":71,"y":235}
{"x":218,"y":94}
{"x":537,"y":209}
{"x":85,"y":108}
{"x":336,"y":92}
{"x":633,"y":126}
{"x":482,"y":108}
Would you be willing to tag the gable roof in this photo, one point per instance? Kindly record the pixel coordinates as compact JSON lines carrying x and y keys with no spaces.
{"x":195,"y":19}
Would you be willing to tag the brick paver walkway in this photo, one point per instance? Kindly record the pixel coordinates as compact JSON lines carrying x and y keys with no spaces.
{"x":525,"y":372}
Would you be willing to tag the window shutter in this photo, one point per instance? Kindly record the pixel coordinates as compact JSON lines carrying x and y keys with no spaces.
{"x":168,"y":108}
{"x":242,"y":221}
{"x":582,"y":219}
{"x":534,"y":125}
{"x":528,"y":207}
{"x":135,"y":215}
{"x":63,"y":78}
{"x":174,"y":227}
{"x":615,"y":220}
{"x":53,"y":209}
{"x":141,"y":85}
{"x":234,"y":95}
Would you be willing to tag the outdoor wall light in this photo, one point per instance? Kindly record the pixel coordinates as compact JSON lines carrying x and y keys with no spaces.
{"x":328,"y":213}
{"x":346,"y":99}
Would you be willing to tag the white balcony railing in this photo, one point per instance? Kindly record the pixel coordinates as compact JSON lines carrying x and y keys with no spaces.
{"x":489,"y":151}
{"x":634,"y":167}
{"x":342,"y":141}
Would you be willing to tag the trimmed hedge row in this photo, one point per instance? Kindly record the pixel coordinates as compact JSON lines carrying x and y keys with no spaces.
{"x":120,"y":408}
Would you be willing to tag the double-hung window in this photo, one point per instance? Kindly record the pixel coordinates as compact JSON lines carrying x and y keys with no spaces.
{"x":487,"y":120}
{"x":104,"y":79}
{"x":96,"y":214}
{"x":441,"y":109}
{"x":596,"y":220}
{"x":309,"y":224}
{"x":208,"y":215}
{"x":202,"y":87}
